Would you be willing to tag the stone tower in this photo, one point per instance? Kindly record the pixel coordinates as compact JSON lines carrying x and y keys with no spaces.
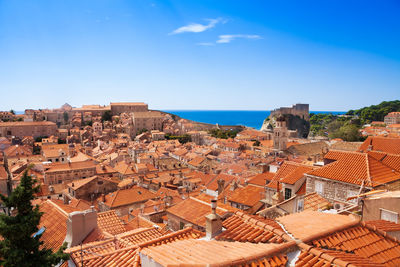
{"x":280,"y":136}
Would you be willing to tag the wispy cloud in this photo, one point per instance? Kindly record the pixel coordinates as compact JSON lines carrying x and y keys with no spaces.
{"x":206,"y":44}
{"x":227,"y":38}
{"x":197,"y":27}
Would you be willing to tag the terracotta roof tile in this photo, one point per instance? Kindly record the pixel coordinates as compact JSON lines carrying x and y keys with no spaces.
{"x":364,"y":242}
{"x":290,"y":172}
{"x":124,"y":248}
{"x":384,"y":144}
{"x":261,"y":179}
{"x":248,"y":195}
{"x":194,"y":211}
{"x":311,"y":224}
{"x":254,"y":229}
{"x":215,"y":253}
{"x":324,"y":257}
{"x":108,"y":221}
{"x":356,"y":168}
{"x":54,"y":220}
{"x":128,"y":196}
{"x":385,"y":226}
{"x":313,"y":201}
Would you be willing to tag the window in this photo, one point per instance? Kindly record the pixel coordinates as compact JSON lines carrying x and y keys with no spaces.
{"x":300,"y":204}
{"x":390,"y":216}
{"x":319,"y":187}
{"x":288,"y":193}
{"x":181,"y":225}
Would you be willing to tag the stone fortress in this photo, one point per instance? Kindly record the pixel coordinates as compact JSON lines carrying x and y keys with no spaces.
{"x":297,"y":121}
{"x":301,"y":110}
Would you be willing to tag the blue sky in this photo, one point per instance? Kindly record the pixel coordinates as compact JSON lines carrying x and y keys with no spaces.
{"x":250,"y":55}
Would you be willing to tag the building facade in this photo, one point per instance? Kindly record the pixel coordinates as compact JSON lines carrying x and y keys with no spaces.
{"x":24,"y":128}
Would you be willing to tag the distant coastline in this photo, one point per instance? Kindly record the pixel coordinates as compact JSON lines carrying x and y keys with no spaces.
{"x":249,"y":118}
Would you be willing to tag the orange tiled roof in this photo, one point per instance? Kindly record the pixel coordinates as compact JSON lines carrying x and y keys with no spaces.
{"x":195,"y":252}
{"x":194,"y":211}
{"x":356,"y":168}
{"x":261,"y":179}
{"x":311,"y":224}
{"x":108,"y":221}
{"x":324,"y":257}
{"x":383,"y":144}
{"x":255,"y":229}
{"x":363,"y":241}
{"x":56,"y":167}
{"x":54,"y":220}
{"x":385,"y":226}
{"x":290,"y":172}
{"x":248,"y":195}
{"x":313,"y":201}
{"x":18,"y":151}
{"x":128,"y":196}
{"x":120,"y":252}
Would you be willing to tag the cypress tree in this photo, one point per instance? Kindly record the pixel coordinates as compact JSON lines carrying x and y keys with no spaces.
{"x":21,"y":244}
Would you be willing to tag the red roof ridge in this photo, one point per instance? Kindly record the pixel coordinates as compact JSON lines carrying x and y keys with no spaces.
{"x":380,"y":232}
{"x":332,"y":230}
{"x":264,"y":254}
{"x":346,"y":151}
{"x":168,"y":236}
{"x":114,"y":197}
{"x":322,"y":254}
{"x":209,"y":204}
{"x":368,"y":171}
{"x":263,"y":225}
{"x":57,"y":207}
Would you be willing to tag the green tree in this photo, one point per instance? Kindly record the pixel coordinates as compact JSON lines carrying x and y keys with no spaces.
{"x":107,"y":116}
{"x":12,"y":111}
{"x":256,"y":143}
{"x":21,"y":245}
{"x":66,"y":116}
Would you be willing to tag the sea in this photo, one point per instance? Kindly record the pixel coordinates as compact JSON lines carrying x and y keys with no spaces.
{"x":249,"y":118}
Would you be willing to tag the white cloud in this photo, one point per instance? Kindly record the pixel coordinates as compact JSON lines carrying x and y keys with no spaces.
{"x":197,"y":27}
{"x":227,"y":38}
{"x":206,"y":44}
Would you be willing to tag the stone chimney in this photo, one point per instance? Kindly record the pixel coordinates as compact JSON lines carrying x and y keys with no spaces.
{"x":213,"y":222}
{"x":79,"y":225}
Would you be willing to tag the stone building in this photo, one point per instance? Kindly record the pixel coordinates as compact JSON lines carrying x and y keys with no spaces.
{"x":280,"y":136}
{"x":58,"y":173}
{"x":301,"y":110}
{"x":347,"y":174}
{"x":392,"y":118}
{"x":90,"y":188}
{"x":151,"y":120}
{"x":6,"y":116}
{"x":128,"y":107}
{"x":25,"y":128}
{"x":56,"y":152}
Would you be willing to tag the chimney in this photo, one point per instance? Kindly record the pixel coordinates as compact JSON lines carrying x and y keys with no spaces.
{"x":213,"y":222}
{"x":79,"y":225}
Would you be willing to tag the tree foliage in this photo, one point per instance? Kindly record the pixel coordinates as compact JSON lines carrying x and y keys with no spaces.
{"x":107,"y":116}
{"x":21,"y":245}
{"x":181,"y":138}
{"x":66,"y":116}
{"x":223,"y":134}
{"x":346,"y":128}
{"x":376,"y":112}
